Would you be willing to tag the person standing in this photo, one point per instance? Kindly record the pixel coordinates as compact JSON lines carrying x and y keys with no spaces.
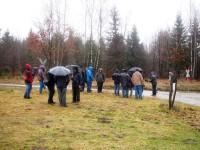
{"x":41,"y":76}
{"x":100,"y":79}
{"x":116,"y":79}
{"x":138,"y":83}
{"x":153,"y":80}
{"x":28,"y":78}
{"x":61,"y":83}
{"x":76,"y":84}
{"x":125,"y":80}
{"x":51,"y":87}
{"x":83,"y":79}
{"x":89,"y":76}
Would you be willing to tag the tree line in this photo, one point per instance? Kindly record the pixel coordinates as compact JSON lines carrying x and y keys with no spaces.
{"x":59,"y":44}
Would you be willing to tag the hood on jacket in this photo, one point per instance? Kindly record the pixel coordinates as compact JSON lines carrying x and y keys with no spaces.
{"x":90,"y":68}
{"x":28,"y":67}
{"x":42,"y":67}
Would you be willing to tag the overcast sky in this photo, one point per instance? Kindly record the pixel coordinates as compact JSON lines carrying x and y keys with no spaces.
{"x":149,"y":16}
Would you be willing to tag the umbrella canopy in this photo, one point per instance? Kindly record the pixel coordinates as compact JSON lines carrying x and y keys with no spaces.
{"x":133,"y":69}
{"x":59,"y":71}
{"x":70,"y":67}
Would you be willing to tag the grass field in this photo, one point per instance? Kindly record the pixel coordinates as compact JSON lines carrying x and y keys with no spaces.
{"x":100,"y":121}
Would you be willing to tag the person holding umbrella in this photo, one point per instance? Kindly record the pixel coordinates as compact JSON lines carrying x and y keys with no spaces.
{"x":116,"y":79}
{"x":62,"y":80}
{"x":76,"y":85}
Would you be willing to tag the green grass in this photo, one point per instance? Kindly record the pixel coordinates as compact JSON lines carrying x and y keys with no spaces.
{"x":100,"y":121}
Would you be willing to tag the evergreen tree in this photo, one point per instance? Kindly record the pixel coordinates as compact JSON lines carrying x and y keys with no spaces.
{"x":178,"y":55}
{"x":135,"y":54}
{"x":116,"y":46}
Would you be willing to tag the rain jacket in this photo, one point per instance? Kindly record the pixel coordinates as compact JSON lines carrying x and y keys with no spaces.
{"x":27,"y":74}
{"x":125,"y":79}
{"x":116,"y":78}
{"x":153,"y":78}
{"x":100,"y":77}
{"x":76,"y":79}
{"x":41,"y":73}
{"x":89,"y":74}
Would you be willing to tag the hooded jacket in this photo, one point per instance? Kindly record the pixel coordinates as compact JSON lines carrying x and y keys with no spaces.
{"x":27,"y":74}
{"x":89,"y":74}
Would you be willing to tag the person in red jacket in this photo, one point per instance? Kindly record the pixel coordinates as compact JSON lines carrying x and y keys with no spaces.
{"x":28,"y":78}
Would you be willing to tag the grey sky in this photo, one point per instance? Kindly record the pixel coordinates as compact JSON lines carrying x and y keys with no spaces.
{"x":149,"y":16}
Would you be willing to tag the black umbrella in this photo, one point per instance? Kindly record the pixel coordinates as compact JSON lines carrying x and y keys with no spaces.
{"x":71,"y":67}
{"x":133,"y":69}
{"x":59,"y":71}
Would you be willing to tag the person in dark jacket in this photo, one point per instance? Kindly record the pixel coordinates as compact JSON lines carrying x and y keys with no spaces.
{"x":83,"y":79}
{"x":51,"y":87}
{"x":76,"y":84}
{"x":100,"y":79}
{"x":28,"y":78}
{"x":125,"y":80}
{"x":153,"y":80}
{"x":61,"y":83}
{"x":116,"y":79}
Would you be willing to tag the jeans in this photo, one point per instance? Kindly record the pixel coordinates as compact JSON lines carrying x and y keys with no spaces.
{"x":117,"y":88}
{"x":125,"y":91}
{"x":89,"y":86}
{"x":62,"y":96}
{"x":41,"y":86}
{"x":27,"y":90}
{"x":138,"y":91}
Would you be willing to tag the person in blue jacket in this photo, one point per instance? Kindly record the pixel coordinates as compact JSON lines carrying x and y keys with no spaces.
{"x":89,"y":77}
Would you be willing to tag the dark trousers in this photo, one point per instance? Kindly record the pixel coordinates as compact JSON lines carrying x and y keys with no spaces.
{"x":51,"y":90}
{"x":82,"y":87}
{"x":154,"y":89}
{"x":89,"y":86}
{"x":116,"y":89}
{"x":99,"y":87}
{"x":76,"y":94}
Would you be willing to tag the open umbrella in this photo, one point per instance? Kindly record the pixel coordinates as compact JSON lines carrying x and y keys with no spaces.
{"x":70,"y":67}
{"x":133,"y":69}
{"x":59,"y":71}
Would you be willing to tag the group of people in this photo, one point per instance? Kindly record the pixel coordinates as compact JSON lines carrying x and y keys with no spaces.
{"x":78,"y":78}
{"x":126,"y":80}
{"x":130,"y":81}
